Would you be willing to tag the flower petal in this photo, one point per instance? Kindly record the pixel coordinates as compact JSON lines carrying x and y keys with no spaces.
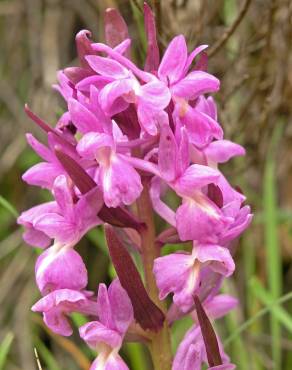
{"x":89,"y":144}
{"x":200,"y":126}
{"x":174,"y":59}
{"x":221,"y":151}
{"x":111,"y":96}
{"x":55,"y":305}
{"x":104,"y":309}
{"x":195,"y":177}
{"x":98,"y":81}
{"x":121,"y":306}
{"x":42,"y":174}
{"x":82,"y":118}
{"x":194,"y":84}
{"x":219,"y":305}
{"x":207,"y":217}
{"x":193,"y":55}
{"x":167,"y":153}
{"x":219,"y":258}
{"x":36,"y":238}
{"x":111,"y":362}
{"x":183,"y":154}
{"x":27,"y":217}
{"x":63,"y":269}
{"x":154,"y":95}
{"x":160,"y":207}
{"x":189,"y":353}
{"x":171,"y":272}
{"x":63,"y":195}
{"x":121,"y":183}
{"x":56,"y":227}
{"x":57,"y":322}
{"x":39,"y":148}
{"x":94,"y":333}
{"x":107,"y":67}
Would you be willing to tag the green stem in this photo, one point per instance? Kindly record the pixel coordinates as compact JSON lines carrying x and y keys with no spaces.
{"x":160,"y":346}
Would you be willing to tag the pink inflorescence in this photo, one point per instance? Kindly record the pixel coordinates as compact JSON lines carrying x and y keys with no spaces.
{"x":126,"y":127}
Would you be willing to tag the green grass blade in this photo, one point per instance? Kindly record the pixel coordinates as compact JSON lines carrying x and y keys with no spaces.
{"x":254,"y":318}
{"x":4,"y":349}
{"x":249,"y":255}
{"x":78,"y":319}
{"x":96,"y":236}
{"x":136,"y":354}
{"x":178,"y":330}
{"x":46,"y":355}
{"x":266,"y":298}
{"x":139,"y":19}
{"x":8,"y":206}
{"x":239,"y":353}
{"x":273,"y":253}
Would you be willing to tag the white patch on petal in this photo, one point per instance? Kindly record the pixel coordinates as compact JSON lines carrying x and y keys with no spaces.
{"x":201,"y":202}
{"x":193,"y":277}
{"x":45,"y":263}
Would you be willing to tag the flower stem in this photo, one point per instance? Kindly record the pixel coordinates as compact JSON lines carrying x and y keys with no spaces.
{"x":160,"y":346}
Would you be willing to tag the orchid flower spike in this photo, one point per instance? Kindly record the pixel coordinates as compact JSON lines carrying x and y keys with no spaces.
{"x":135,"y":146}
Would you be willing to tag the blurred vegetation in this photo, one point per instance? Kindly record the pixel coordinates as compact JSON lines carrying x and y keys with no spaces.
{"x":250,"y":51}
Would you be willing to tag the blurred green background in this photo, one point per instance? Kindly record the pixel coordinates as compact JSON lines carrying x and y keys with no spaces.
{"x":250,"y":51}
